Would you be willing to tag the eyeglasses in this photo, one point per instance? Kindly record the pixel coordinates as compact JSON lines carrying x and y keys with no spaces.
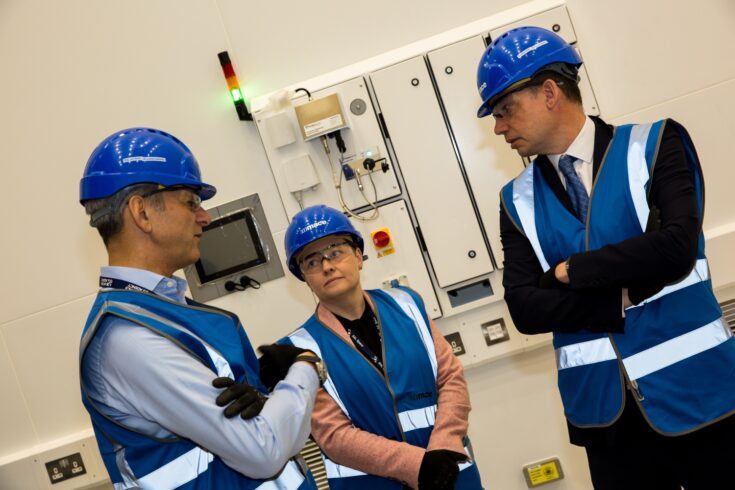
{"x":193,"y":200}
{"x":334,"y":253}
{"x":504,"y":109}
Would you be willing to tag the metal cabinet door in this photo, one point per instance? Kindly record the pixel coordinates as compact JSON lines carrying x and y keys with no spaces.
{"x":431,"y":172}
{"x":404,"y":263}
{"x":488,"y":160}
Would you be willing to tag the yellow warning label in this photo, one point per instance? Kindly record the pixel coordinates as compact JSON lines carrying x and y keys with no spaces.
{"x":542,"y":473}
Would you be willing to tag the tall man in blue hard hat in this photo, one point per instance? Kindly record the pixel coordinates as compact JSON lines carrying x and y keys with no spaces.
{"x":603,"y":247}
{"x":149,"y":356}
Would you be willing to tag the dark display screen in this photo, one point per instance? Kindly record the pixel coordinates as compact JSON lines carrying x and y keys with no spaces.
{"x":229,"y":244}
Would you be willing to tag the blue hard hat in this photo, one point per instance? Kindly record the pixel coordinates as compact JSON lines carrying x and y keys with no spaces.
{"x":138,"y":156}
{"x":514,"y":57}
{"x":311,"y":224}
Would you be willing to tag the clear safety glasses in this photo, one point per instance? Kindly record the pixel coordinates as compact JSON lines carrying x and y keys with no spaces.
{"x":334,"y":253}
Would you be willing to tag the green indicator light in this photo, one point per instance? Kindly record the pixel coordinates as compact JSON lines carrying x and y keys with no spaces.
{"x":236,"y":94}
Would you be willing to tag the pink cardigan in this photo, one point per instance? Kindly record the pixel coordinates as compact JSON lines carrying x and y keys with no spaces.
{"x":376,"y":455}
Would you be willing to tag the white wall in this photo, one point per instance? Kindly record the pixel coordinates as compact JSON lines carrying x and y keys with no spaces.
{"x":72,"y":72}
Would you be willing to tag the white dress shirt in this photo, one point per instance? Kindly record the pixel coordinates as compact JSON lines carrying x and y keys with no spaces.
{"x":582,"y":148}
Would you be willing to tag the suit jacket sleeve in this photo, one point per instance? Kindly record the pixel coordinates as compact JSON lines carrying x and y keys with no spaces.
{"x":658,"y":257}
{"x":536,"y":310}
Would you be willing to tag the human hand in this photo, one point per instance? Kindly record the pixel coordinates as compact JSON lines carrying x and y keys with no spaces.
{"x":275,"y":361}
{"x":555,"y":277}
{"x":241,"y":398}
{"x":439,"y":469}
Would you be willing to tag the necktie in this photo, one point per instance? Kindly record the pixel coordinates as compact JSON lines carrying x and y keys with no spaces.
{"x":575,"y":187}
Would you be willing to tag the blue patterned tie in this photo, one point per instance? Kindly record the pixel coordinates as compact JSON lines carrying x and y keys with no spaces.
{"x":575,"y":187}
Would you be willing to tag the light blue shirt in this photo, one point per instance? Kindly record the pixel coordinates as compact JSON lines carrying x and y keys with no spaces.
{"x":147,"y":383}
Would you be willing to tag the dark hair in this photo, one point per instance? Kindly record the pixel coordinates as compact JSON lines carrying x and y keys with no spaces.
{"x":106,"y":213}
{"x":567,"y":84}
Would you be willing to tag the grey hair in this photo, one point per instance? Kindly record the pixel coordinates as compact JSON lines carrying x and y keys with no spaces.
{"x":105,"y":214}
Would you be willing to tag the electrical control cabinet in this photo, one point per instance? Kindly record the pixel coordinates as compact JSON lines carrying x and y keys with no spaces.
{"x":433,"y":221}
{"x":488,"y":160}
{"x":401,"y":261}
{"x":433,"y":176}
{"x":305,"y":174}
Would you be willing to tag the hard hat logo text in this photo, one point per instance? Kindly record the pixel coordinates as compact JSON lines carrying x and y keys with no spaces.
{"x":314,"y":225}
{"x":532,"y":48}
{"x":143,"y":159}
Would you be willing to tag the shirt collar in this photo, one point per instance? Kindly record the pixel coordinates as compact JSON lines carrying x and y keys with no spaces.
{"x":583,"y":146}
{"x":173,"y":288}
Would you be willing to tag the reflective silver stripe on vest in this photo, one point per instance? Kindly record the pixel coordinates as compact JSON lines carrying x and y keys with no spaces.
{"x":411,"y":309}
{"x":524,"y":204}
{"x":335,"y":470}
{"x":302,"y":338}
{"x":584,"y":353}
{"x":220,"y":363}
{"x":638,"y":171}
{"x":174,"y":474}
{"x":289,"y":479}
{"x":419,"y":418}
{"x":677,"y":349}
{"x":699,"y":273}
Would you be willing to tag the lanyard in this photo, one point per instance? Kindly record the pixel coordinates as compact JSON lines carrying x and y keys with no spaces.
{"x":362,"y":347}
{"x":110,"y":283}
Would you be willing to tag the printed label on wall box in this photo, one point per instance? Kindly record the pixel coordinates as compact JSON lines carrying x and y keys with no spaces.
{"x":323,"y":126}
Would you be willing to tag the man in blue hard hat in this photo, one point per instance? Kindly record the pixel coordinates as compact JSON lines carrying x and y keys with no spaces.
{"x":154,"y":364}
{"x":603,"y":247}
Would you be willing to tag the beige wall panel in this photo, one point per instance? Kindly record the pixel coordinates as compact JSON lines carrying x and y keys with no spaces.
{"x":73,"y":72}
{"x":277,"y":44}
{"x":639,"y":54}
{"x":44,"y":350}
{"x":16,"y":427}
{"x":517,"y":419}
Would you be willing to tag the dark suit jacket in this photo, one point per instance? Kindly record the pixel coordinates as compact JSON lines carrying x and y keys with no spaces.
{"x":593,"y":299}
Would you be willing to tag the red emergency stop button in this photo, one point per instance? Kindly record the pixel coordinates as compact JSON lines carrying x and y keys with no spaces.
{"x":381,"y":239}
{"x":382,"y":242}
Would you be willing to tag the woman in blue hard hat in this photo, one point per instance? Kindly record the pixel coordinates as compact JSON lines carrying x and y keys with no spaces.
{"x":394,"y":409}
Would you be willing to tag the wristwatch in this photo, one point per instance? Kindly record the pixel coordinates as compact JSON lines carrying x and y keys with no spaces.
{"x":319,"y":366}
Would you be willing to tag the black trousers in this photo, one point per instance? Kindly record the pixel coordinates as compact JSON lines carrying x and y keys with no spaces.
{"x":638,"y":458}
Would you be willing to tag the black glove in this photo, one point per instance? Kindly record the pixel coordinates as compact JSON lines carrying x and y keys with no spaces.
{"x":242,"y":398}
{"x":275,"y":362}
{"x":439,"y":469}
{"x":549,"y":281}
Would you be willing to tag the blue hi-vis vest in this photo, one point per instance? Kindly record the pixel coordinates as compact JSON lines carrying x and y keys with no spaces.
{"x":401,"y":406}
{"x":676,"y":353}
{"x":135,"y":460}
